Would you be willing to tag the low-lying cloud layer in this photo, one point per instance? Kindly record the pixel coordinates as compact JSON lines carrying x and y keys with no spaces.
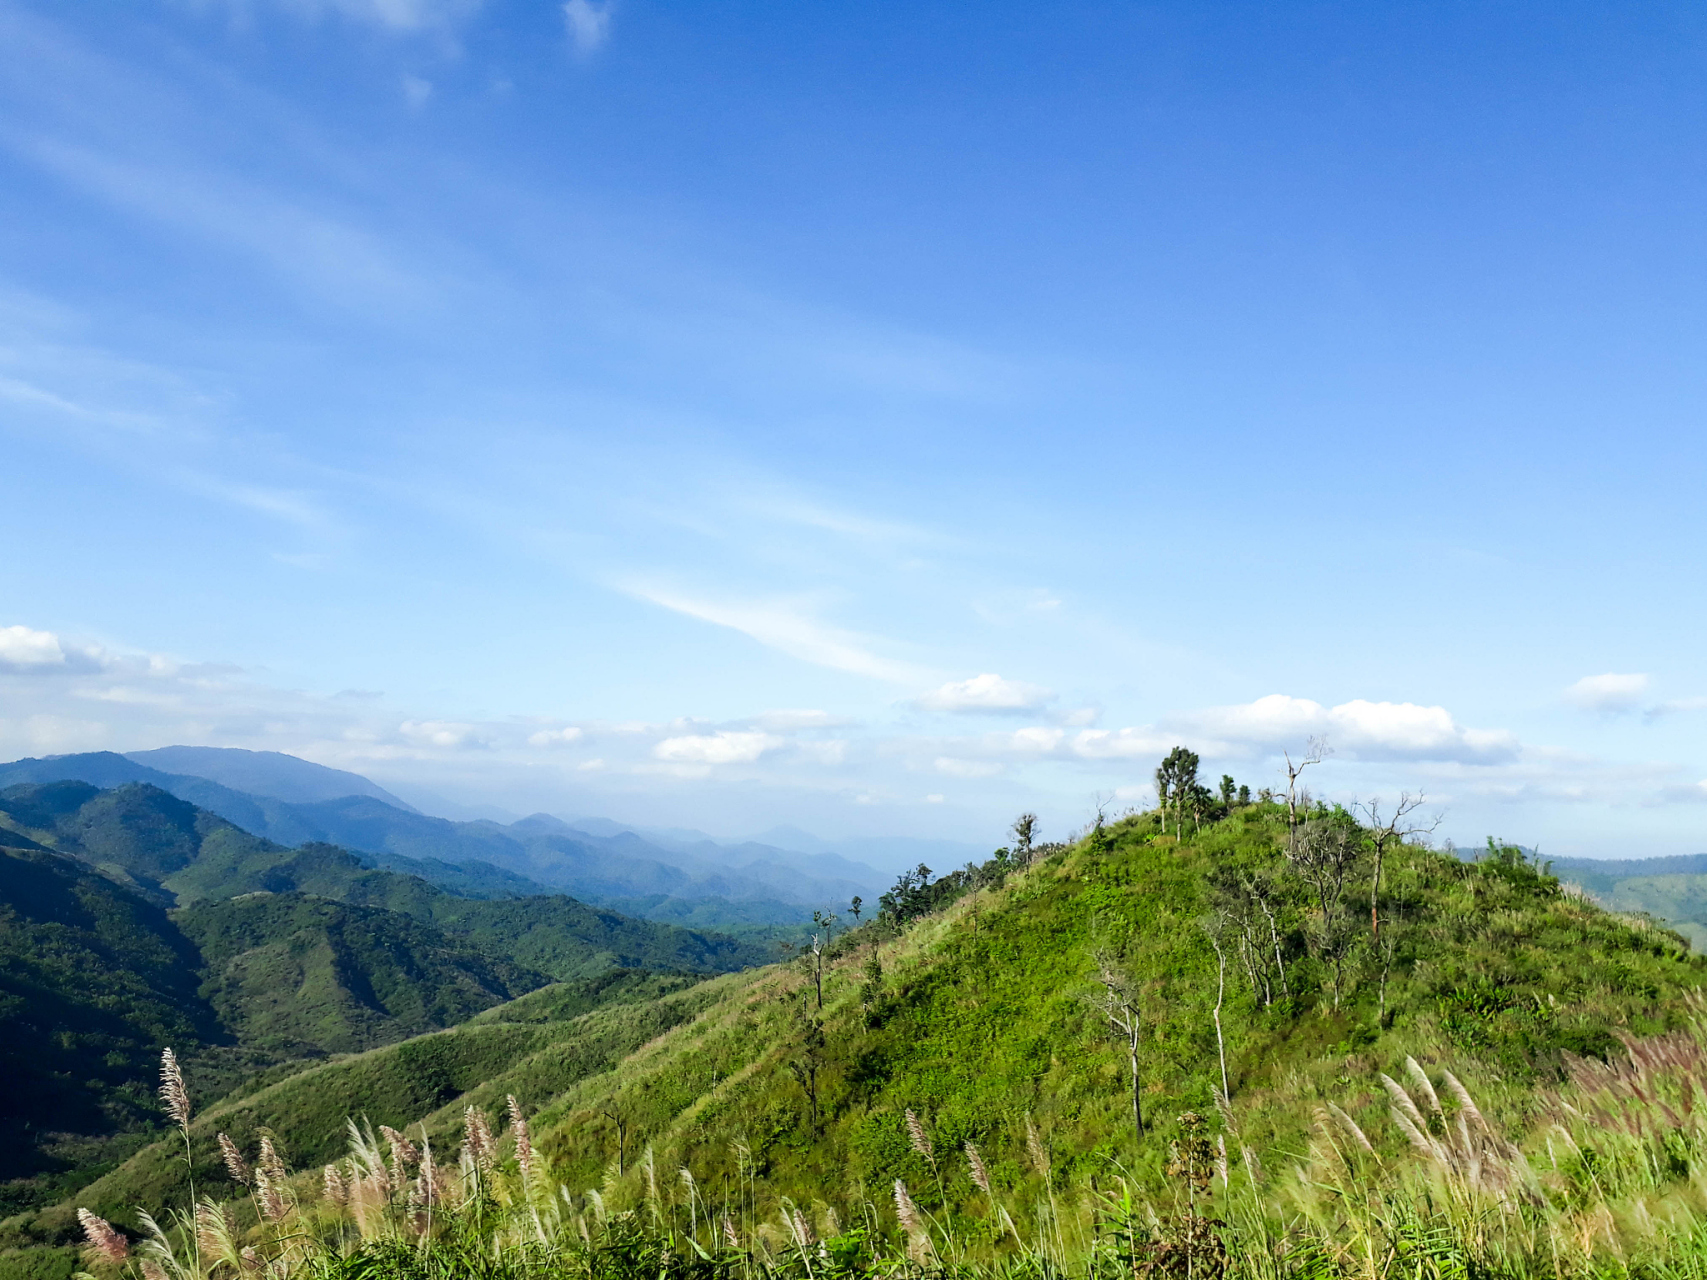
{"x":62,"y":696}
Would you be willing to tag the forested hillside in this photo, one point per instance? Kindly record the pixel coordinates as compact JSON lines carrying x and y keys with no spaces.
{"x":131,"y":920}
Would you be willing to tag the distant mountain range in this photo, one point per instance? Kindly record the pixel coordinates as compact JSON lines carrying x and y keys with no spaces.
{"x":670,"y":876}
{"x":265,"y":773}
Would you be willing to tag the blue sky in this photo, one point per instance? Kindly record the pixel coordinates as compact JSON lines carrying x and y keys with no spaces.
{"x":874,"y":418}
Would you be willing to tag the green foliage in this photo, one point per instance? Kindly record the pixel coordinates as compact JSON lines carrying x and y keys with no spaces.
{"x":281,"y":958}
{"x":296,"y":976}
{"x":93,"y":980}
{"x":961,"y":1020}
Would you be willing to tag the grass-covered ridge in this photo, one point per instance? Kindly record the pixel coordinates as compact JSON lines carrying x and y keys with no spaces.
{"x":989,"y":1012}
{"x":1461,"y":1069}
{"x":981,"y":1002}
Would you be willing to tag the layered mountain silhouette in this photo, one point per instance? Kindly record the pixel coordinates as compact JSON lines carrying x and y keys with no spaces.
{"x":293,"y":803}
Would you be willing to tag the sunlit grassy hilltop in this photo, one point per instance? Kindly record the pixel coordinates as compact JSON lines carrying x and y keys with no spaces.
{"x":986,"y":1003}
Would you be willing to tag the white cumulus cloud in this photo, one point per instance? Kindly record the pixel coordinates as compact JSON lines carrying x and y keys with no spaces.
{"x":1123,"y":744}
{"x":986,"y":693}
{"x":24,"y":647}
{"x":723,"y":747}
{"x":1608,"y":693}
{"x":1358,"y":729}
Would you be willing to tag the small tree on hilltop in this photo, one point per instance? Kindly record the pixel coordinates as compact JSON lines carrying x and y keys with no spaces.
{"x":1176,"y":780}
{"x":1024,"y":829}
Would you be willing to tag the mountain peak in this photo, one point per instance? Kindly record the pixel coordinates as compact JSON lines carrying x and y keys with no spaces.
{"x":266,"y":773}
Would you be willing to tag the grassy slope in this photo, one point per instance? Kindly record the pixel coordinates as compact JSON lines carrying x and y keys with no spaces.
{"x":534,"y":1047}
{"x":1679,"y":900}
{"x":981,"y":1020}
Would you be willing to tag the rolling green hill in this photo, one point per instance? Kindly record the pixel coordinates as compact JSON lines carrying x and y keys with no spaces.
{"x":1670,"y":889}
{"x":177,"y":854}
{"x":535,"y":855}
{"x":95,"y":979}
{"x":980,"y":1004}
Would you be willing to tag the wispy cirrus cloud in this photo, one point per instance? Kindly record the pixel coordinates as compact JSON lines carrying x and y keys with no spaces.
{"x":400,"y":16}
{"x":588,"y":25}
{"x":788,"y":627}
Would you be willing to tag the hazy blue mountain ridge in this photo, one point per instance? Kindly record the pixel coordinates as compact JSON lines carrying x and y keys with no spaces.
{"x":265,"y":773}
{"x":483,"y":858}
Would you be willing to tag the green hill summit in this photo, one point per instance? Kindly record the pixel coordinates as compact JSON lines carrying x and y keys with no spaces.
{"x":1193,"y":996}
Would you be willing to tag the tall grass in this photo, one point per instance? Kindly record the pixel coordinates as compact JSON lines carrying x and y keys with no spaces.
{"x":1609,"y":1180}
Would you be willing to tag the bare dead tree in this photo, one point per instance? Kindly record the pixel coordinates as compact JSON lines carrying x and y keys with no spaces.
{"x":1220,"y":996}
{"x":826,"y":921}
{"x":1245,"y":911}
{"x":1118,"y":1005}
{"x":1316,"y":750}
{"x":621,"y":1123}
{"x":1382,"y":835}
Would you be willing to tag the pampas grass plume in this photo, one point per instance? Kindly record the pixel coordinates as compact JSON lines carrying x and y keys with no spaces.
{"x":172,"y":1092}
{"x":920,"y":1139}
{"x":235,"y":1165}
{"x":980,"y":1174}
{"x":104,"y":1239}
{"x":524,"y":1145}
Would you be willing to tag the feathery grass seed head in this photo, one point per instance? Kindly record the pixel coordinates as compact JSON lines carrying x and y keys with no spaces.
{"x":980,"y":1174}
{"x":906,"y":1212}
{"x":173,"y":1095}
{"x":104,"y":1239}
{"x":235,"y":1165}
{"x":524,"y":1143}
{"x":920,"y":1139}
